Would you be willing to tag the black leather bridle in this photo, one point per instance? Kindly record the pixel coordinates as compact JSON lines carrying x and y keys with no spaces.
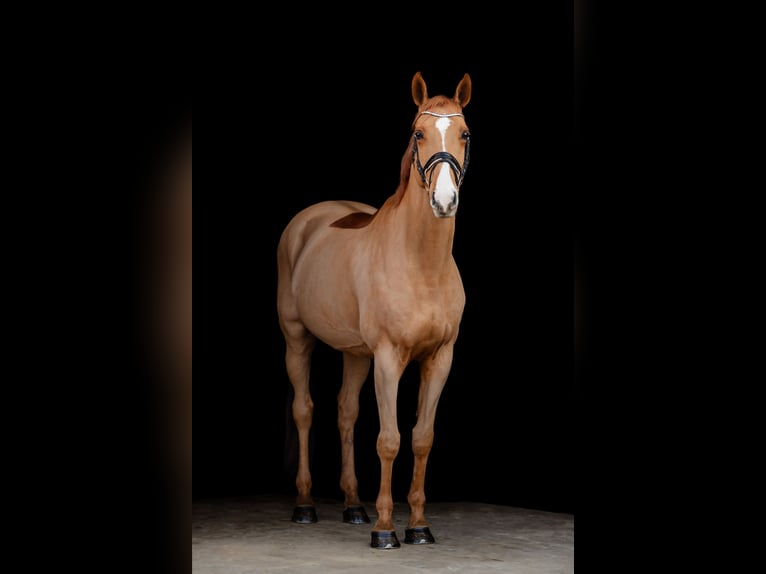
{"x":426,"y":170}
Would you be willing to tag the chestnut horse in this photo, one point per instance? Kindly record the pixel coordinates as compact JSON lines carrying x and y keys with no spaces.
{"x":383,"y":285}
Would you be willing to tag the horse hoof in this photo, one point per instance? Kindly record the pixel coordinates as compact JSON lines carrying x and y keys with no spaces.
{"x":355,"y":515}
{"x":304,"y":514}
{"x":418,"y":535}
{"x":384,"y":540}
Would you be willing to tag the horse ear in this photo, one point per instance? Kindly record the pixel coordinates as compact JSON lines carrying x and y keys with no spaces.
{"x":463,"y":91}
{"x":419,"y":91}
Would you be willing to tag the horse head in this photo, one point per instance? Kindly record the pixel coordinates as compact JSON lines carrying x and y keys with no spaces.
{"x":441,"y":134}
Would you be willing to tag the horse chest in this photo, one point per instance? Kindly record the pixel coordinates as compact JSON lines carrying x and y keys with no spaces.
{"x":428,"y":327}
{"x":419,"y":321}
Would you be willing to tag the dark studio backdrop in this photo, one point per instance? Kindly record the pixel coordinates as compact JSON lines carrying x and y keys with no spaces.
{"x":329,"y":124}
{"x":528,"y":417}
{"x":327,"y":116}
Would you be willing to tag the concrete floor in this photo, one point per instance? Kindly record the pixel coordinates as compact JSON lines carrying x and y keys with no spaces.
{"x":255,"y":535}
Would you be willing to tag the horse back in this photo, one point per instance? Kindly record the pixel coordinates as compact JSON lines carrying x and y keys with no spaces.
{"x":313,"y":222}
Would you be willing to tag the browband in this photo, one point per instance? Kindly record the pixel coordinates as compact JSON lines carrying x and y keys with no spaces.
{"x":440,"y":115}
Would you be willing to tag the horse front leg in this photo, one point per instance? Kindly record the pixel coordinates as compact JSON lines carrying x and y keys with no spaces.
{"x":389,"y":366}
{"x":433,"y":376}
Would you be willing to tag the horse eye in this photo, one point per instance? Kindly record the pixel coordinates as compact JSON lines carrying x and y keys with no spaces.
{"x":466,"y":135}
{"x":418,"y":135}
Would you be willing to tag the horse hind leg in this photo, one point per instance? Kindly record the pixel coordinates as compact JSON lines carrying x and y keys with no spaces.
{"x":300,"y":345}
{"x":355,"y":371}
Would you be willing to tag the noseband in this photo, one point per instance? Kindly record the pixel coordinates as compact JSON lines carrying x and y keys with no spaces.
{"x":426,"y":171}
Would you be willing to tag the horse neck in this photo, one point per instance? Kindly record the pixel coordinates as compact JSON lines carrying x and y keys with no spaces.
{"x":414,"y":236}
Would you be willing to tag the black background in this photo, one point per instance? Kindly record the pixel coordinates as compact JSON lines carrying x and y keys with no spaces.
{"x":331,"y":123}
{"x":660,"y":142}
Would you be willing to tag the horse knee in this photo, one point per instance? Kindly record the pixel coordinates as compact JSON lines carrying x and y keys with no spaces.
{"x":422,"y":443}
{"x":303,"y":410}
{"x":347,"y":414}
{"x":388,"y":444}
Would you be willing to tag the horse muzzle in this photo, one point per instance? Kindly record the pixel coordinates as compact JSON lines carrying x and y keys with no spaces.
{"x":442,"y":208}
{"x":444,"y":195}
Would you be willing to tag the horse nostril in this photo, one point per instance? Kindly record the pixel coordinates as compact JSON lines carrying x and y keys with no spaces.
{"x":453,"y":201}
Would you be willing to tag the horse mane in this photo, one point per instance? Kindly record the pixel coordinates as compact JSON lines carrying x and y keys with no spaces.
{"x":360,"y":219}
{"x":404,"y":175}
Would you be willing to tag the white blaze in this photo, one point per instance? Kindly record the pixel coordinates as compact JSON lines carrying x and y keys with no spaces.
{"x":442,"y":124}
{"x":444,"y":190}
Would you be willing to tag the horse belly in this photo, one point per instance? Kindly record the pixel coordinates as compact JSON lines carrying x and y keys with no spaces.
{"x":343,"y":337}
{"x":328,"y":307}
